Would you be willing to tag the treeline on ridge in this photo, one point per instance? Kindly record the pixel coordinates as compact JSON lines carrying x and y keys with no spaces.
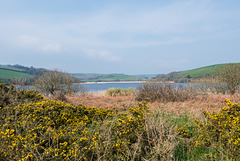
{"x":29,"y":70}
{"x":172,"y":77}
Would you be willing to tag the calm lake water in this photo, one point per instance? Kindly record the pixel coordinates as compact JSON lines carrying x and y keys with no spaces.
{"x":105,"y":86}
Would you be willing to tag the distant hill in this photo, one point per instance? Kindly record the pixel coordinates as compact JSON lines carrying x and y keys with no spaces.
{"x":8,"y":73}
{"x":93,"y":77}
{"x":186,"y":76}
{"x":146,"y":76}
{"x":199,"y":72}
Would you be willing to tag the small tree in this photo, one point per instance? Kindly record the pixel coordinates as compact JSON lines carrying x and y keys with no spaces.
{"x":229,"y":76}
{"x":19,"y":83}
{"x":52,"y":82}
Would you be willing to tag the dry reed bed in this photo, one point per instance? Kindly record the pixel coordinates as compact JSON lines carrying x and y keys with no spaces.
{"x":194,"y":107}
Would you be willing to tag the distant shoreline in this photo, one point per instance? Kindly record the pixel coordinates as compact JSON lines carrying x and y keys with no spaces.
{"x":113,"y":82}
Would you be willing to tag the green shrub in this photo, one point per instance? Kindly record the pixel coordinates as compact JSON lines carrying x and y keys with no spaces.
{"x":120,"y":92}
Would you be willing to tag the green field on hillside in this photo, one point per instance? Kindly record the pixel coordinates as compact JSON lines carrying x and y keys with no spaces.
{"x":198,"y":72}
{"x":7,"y":73}
{"x":91,"y":77}
{"x":10,"y":68}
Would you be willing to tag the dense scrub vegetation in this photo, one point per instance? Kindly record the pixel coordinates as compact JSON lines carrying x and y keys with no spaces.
{"x":217,"y":135}
{"x":32,"y":128}
{"x":52,"y":130}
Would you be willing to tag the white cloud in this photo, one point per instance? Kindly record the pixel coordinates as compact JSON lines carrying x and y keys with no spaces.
{"x":51,"y":47}
{"x":28,"y":40}
{"x":103,"y":55}
{"x":34,"y":43}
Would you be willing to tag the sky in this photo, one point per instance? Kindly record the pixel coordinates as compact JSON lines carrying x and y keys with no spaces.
{"x":119,"y":36}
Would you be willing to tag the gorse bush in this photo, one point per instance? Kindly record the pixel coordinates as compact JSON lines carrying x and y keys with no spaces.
{"x":48,"y":130}
{"x":52,"y":130}
{"x":218,"y":131}
{"x":164,"y":92}
{"x":9,"y":96}
{"x":120,"y":92}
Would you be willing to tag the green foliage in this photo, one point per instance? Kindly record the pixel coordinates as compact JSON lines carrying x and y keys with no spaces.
{"x":218,"y":132}
{"x":120,"y":92}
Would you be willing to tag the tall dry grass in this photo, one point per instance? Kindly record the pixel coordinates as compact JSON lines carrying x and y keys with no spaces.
{"x":208,"y":101}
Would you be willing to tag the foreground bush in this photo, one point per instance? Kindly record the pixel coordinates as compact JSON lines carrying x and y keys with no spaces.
{"x":9,"y":96}
{"x":164,"y":92}
{"x":52,"y":130}
{"x":218,"y":133}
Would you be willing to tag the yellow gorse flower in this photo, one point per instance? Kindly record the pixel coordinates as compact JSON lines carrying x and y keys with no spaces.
{"x":54,"y":130}
{"x":222,"y":129}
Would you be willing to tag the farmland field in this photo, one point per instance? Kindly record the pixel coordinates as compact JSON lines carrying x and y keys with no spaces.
{"x":201,"y":71}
